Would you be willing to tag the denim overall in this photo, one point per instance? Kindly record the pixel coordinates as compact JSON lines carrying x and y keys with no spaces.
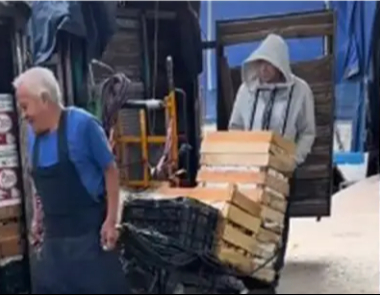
{"x":72,"y":259}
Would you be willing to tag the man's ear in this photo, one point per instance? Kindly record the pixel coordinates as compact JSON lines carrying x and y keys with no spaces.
{"x":44,"y":97}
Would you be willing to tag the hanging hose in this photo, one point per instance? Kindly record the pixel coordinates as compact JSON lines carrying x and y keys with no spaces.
{"x":114,"y":93}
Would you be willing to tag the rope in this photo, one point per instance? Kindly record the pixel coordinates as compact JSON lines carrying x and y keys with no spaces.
{"x":114,"y":93}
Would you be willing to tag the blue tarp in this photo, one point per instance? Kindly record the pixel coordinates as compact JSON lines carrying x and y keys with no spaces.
{"x":94,"y":21}
{"x":355,"y":22}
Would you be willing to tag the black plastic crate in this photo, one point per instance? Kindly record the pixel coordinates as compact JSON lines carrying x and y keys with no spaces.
{"x":191,"y":223}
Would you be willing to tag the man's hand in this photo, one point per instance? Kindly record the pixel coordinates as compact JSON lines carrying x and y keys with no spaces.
{"x":109,"y":235}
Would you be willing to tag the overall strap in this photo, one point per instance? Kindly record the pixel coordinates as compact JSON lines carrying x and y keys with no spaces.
{"x":36,"y":153}
{"x":62,"y":146}
{"x":63,"y":149}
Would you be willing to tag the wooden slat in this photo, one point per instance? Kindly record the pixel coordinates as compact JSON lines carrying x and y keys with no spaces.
{"x":300,"y":31}
{"x":323,"y":113}
{"x":269,"y":214}
{"x":264,"y":197}
{"x":319,"y":157}
{"x":10,"y":247}
{"x":313,"y":171}
{"x":10,"y":212}
{"x":227,"y":86}
{"x":283,"y":165}
{"x":320,"y":148}
{"x":233,"y":214}
{"x":315,"y":71}
{"x":325,"y":131}
{"x":230,"y":256}
{"x":216,"y":147}
{"x":11,"y":229}
{"x":237,"y":238}
{"x":323,"y":142}
{"x":273,"y":22}
{"x":275,"y":202}
{"x":267,"y":236}
{"x":322,"y":87}
{"x":309,"y":189}
{"x":210,"y":195}
{"x":244,"y":177}
{"x":252,"y":201}
{"x":265,"y":252}
{"x":254,"y":137}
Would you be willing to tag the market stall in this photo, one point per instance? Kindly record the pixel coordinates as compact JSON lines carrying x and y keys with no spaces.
{"x":14,"y":258}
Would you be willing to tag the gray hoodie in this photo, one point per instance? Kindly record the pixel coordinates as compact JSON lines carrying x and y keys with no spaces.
{"x":293,"y":104}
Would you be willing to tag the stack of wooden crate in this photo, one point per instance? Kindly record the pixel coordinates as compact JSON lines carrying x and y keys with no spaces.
{"x":10,"y":229}
{"x":245,"y":175}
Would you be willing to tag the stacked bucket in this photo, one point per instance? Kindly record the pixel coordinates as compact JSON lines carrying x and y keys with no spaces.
{"x":11,"y":248}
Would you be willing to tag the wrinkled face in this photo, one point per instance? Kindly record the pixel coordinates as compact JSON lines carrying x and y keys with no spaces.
{"x":34,"y":109}
{"x":267,"y":72}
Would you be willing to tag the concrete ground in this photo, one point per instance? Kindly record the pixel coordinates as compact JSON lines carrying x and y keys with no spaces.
{"x":339,"y":255}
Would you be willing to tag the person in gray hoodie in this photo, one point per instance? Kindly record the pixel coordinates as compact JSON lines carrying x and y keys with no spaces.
{"x":271,"y":97}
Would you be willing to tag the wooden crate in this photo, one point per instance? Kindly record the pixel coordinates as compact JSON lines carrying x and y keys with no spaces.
{"x":245,"y":176}
{"x":10,"y":210}
{"x":10,"y":247}
{"x":238,"y":226}
{"x":258,"y":165}
{"x":9,"y":229}
{"x":261,"y":149}
{"x":241,"y":235}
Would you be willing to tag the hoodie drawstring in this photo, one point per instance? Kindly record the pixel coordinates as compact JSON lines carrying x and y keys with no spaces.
{"x":287,"y":110}
{"x":254,"y":107}
{"x":267,"y":116}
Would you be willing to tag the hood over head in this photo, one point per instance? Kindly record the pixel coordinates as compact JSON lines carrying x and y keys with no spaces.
{"x":273,"y":50}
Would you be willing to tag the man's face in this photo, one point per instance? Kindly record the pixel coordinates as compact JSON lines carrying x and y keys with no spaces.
{"x":267,"y":72}
{"x":33,"y":109}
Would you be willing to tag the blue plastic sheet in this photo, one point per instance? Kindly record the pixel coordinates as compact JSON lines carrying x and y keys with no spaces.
{"x":94,"y":21}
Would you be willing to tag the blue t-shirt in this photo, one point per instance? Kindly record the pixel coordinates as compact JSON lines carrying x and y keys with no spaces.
{"x":88,"y":148}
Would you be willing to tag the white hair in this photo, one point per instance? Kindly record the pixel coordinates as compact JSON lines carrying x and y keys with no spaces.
{"x":39,"y":80}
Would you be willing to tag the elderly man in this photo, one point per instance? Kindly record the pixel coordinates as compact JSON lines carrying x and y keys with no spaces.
{"x":272,"y":98}
{"x":76,"y":178}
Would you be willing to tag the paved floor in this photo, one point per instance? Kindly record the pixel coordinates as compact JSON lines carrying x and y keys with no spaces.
{"x":339,"y":255}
